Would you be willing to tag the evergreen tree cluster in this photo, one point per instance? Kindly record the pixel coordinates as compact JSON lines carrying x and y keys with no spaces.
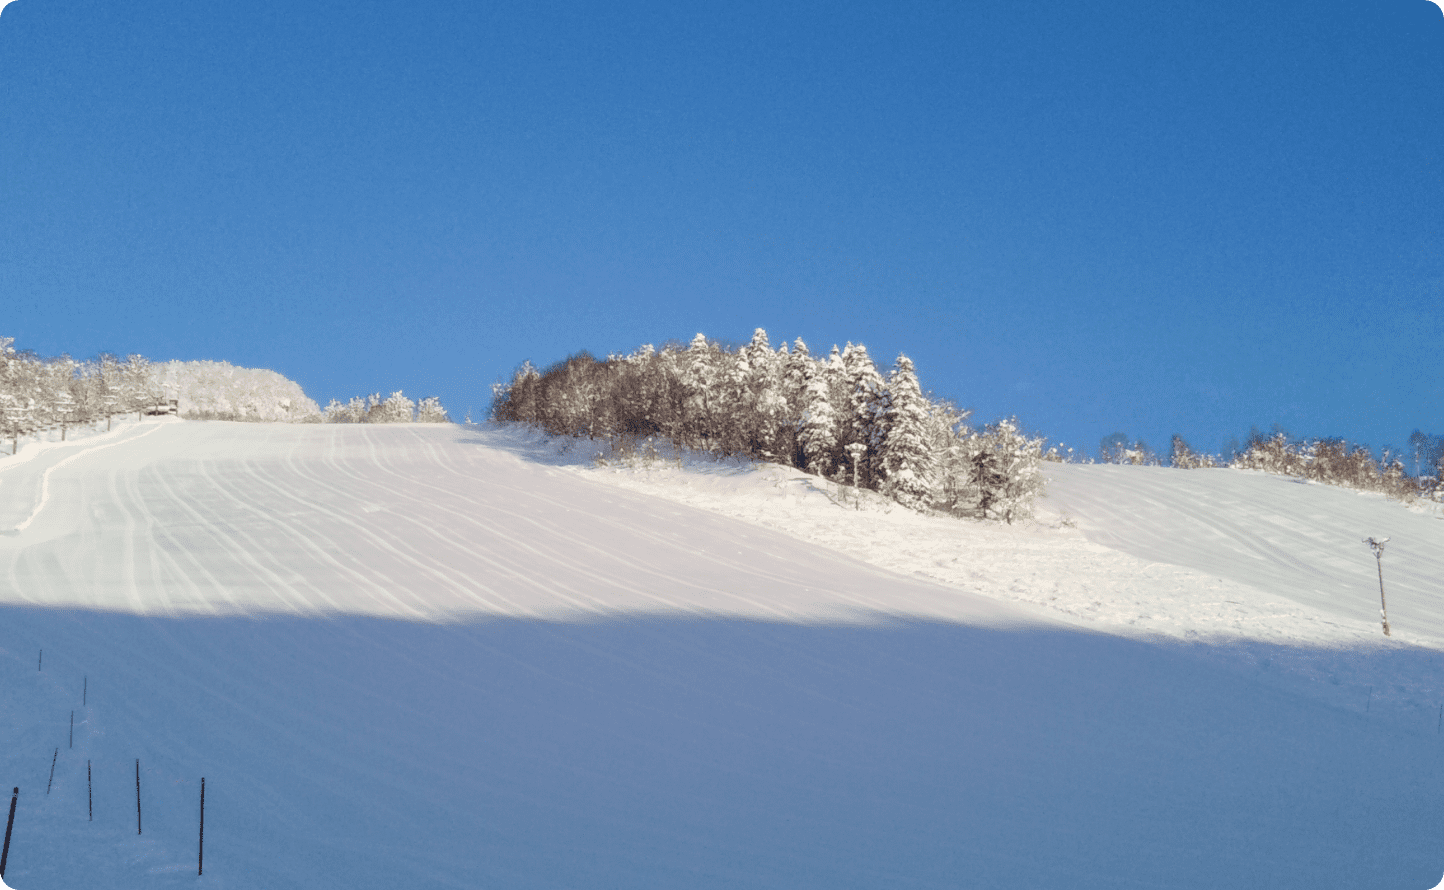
{"x":40,"y":394}
{"x":835,"y":416}
{"x":396,"y":408}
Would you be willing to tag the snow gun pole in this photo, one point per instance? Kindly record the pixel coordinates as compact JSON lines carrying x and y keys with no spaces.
{"x":4,"y":856}
{"x":1378,"y":548}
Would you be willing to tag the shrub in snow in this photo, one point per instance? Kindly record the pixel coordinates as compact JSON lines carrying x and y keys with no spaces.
{"x":429,"y":410}
{"x":1116,"y":449}
{"x":1428,"y":452}
{"x":397,"y":408}
{"x":998,"y":473}
{"x":1331,"y":461}
{"x":1185,"y":458}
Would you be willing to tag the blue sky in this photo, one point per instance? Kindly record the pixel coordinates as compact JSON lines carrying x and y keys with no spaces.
{"x":1150,"y":217}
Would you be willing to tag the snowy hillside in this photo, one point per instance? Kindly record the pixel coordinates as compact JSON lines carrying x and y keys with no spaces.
{"x":461,"y":657}
{"x":220,"y":391}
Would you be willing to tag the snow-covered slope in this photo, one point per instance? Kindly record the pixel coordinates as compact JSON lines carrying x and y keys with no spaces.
{"x":450,"y":657}
{"x":1299,"y":543}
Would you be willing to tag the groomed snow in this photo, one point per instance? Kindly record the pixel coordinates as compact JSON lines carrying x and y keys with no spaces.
{"x":457,"y":657}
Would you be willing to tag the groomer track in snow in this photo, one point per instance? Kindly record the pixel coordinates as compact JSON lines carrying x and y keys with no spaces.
{"x":451,"y":657}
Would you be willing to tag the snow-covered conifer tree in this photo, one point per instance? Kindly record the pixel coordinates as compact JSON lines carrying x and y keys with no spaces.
{"x":907,"y":462}
{"x":867,"y":403}
{"x":797,"y":368}
{"x":819,"y":423}
{"x":766,"y":406}
{"x":700,"y":369}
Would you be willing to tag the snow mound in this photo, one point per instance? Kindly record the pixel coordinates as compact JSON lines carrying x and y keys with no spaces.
{"x":221,"y":391}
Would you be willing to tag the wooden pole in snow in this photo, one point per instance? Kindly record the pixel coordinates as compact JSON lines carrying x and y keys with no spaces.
{"x":137,"y":795}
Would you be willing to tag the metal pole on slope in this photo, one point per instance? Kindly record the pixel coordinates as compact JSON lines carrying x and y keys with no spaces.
{"x":1378,"y":548}
{"x":4,"y":856}
{"x":201,"y":853}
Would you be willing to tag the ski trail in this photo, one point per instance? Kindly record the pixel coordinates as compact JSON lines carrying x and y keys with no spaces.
{"x":495,"y":532}
{"x":44,"y":496}
{"x":631,"y":528}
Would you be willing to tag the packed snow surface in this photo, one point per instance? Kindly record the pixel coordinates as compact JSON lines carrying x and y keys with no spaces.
{"x":472,"y":656}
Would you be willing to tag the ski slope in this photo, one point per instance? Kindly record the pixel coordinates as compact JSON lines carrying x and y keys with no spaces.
{"x":438,"y":656}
